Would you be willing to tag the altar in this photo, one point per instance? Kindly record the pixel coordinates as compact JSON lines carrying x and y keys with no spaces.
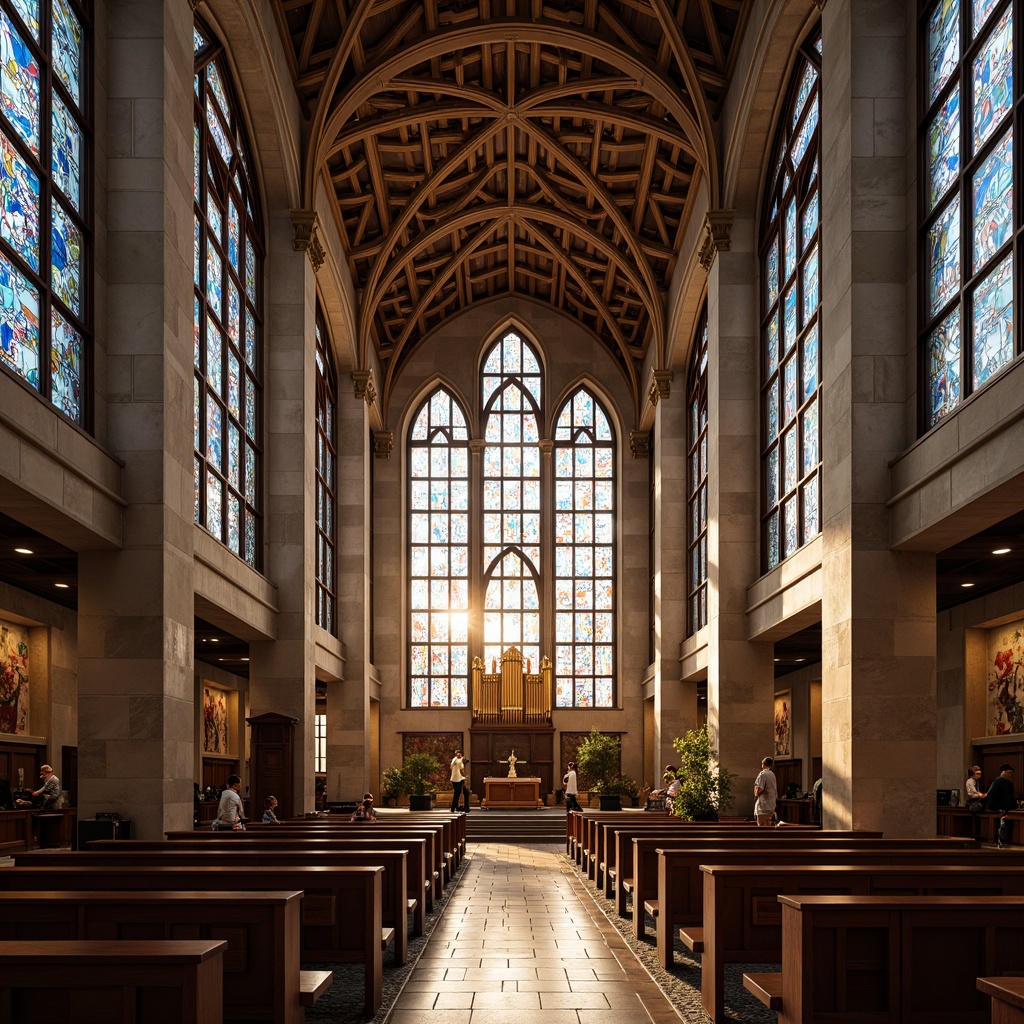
{"x":523,"y":791}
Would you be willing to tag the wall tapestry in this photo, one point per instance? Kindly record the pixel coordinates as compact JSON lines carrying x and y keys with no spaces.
{"x":13,"y":678}
{"x":1005,"y":680}
{"x":215,"y":721}
{"x":783,"y":724}
{"x":441,"y":744}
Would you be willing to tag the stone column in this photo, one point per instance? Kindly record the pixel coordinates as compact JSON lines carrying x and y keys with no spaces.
{"x":878,"y":606}
{"x":741,"y":677}
{"x":282,"y":673}
{"x":348,"y":701}
{"x":135,"y":686}
{"x":675,"y":701}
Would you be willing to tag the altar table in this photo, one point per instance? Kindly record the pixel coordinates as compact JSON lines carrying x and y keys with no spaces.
{"x":519,"y":792}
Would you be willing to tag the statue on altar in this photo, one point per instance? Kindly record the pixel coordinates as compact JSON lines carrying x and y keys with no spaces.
{"x":512,"y":762}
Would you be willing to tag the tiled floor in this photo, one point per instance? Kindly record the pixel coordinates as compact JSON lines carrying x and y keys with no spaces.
{"x":521,"y":936}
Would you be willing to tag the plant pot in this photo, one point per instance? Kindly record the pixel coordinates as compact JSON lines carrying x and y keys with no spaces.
{"x":420,"y":803}
{"x":611,"y":802}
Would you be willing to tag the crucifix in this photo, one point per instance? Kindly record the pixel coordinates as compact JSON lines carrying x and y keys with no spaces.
{"x":512,"y":762}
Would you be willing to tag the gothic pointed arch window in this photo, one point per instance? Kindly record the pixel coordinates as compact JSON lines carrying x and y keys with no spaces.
{"x":970,"y":224}
{"x":697,"y":483}
{"x":46,"y":183}
{"x":326,"y":480}
{"x":791,"y":321}
{"x":584,"y":580}
{"x":228,"y":248}
{"x":439,"y":554}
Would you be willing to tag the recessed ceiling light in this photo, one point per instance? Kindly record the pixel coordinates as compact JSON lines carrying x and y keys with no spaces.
{"x":245,"y":659}
{"x":801,"y":659}
{"x":1001,"y":551}
{"x":24,"y":551}
{"x":778,"y":659}
{"x":965,"y":585}
{"x":61,"y":586}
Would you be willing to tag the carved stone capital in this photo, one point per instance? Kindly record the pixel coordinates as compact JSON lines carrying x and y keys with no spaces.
{"x":362,"y":382}
{"x":476,"y":446}
{"x":640,"y":443}
{"x":717,"y":230}
{"x":306,"y":238}
{"x":383,"y":444}
{"x":661,"y":386}
{"x":547,"y":446}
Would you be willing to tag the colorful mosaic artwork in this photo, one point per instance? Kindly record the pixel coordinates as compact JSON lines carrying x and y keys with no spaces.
{"x":19,"y":323}
{"x":19,"y":84}
{"x":215,"y":721}
{"x":944,"y":148}
{"x":943,"y":271}
{"x":19,"y":203}
{"x":943,"y":45}
{"x":66,"y":157}
{"x":1005,"y":679}
{"x":944,"y":368}
{"x":14,"y":679}
{"x":67,"y":48}
{"x":993,"y":80}
{"x":993,"y":322}
{"x":992,"y":205}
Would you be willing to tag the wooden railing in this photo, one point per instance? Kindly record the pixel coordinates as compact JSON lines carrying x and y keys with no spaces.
{"x":512,"y":696}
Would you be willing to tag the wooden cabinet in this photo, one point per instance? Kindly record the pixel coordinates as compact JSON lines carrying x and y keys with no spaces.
{"x":271,"y":764}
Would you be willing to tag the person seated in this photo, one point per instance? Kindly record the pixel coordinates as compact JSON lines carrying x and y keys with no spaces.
{"x":667,"y":778}
{"x":364,"y":812}
{"x":47,"y":796}
{"x":269,"y":817}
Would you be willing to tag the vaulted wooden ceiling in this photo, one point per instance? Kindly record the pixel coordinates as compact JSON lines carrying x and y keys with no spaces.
{"x":479,"y":148}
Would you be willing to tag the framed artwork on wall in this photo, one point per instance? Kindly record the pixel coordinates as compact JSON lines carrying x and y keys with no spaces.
{"x":13,"y":678}
{"x":215,"y":720}
{"x":784,"y":724}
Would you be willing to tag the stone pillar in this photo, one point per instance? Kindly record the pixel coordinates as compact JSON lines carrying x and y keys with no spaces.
{"x":878,"y":606}
{"x":675,"y":701}
{"x":348,"y":703}
{"x":282,"y":673}
{"x":135,"y":685}
{"x":741,"y":677}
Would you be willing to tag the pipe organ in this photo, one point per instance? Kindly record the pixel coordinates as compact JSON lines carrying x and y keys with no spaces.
{"x":512,"y":696}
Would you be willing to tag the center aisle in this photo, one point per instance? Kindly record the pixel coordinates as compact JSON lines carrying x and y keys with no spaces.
{"x":521,"y":935}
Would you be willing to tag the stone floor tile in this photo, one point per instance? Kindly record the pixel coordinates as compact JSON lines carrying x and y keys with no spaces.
{"x":574,"y":1001}
{"x":454,"y":1001}
{"x":507,"y":1001}
{"x":536,"y":1017}
{"x":434,"y":1016}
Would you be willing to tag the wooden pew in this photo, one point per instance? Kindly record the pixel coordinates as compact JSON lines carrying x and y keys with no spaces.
{"x":173,"y":982}
{"x":1007,"y":999}
{"x":341,"y":906}
{"x":743,"y":918}
{"x":263,"y":979}
{"x":433,"y":836}
{"x":394,"y":890}
{"x":681,"y":882}
{"x":417,"y":878}
{"x":911,"y":959}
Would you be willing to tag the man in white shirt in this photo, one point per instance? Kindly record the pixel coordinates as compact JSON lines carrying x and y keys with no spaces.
{"x":766,"y":793}
{"x":229,"y":810}
{"x":458,"y":778}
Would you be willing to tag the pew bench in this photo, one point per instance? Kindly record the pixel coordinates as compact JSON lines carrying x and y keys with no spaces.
{"x":681,"y":882}
{"x":743,"y":918}
{"x":119,"y":982}
{"x":340,"y":914}
{"x":1007,"y":999}
{"x":262,"y":976}
{"x":914,"y":959}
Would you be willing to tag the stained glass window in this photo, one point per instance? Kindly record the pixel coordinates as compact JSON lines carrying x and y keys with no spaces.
{"x":45,"y":237}
{"x":326,"y":480}
{"x":228,"y":308}
{"x":697,"y":484}
{"x":439,"y":554}
{"x":584,"y":553}
{"x":790,"y":369}
{"x":969,"y":218}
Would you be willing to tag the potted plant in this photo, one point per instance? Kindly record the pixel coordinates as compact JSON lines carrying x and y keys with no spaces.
{"x":418,"y":773}
{"x":599,"y":758}
{"x":705,"y":787}
{"x":392,"y":785}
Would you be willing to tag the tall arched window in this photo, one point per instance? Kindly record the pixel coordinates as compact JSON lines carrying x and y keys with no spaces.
{"x":584,"y":554}
{"x":511,"y":402}
{"x":697,"y":484}
{"x":519,"y":531}
{"x":439,"y":554}
{"x":227,"y":266}
{"x":326,"y":479}
{"x":45,"y":180}
{"x":968,"y":103}
{"x":790,"y":328}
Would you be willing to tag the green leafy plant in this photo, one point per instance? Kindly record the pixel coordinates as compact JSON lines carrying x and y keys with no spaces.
{"x":392,"y":783}
{"x":599,"y":758}
{"x":419,"y":773}
{"x":705,"y":786}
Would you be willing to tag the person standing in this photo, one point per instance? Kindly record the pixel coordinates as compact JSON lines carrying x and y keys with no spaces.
{"x":766,"y":792}
{"x":229,"y":810}
{"x":1002,"y":797}
{"x":571,"y":788}
{"x":458,"y":780}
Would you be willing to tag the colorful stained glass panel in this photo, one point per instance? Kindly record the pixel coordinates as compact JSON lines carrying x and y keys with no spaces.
{"x":810,"y":273}
{"x":811,"y":521}
{"x":19,"y":203}
{"x":810,"y":438}
{"x":66,"y":258}
{"x":771,"y":272}
{"x":807,"y":80}
{"x":67,"y":48}
{"x":19,"y":323}
{"x":943,"y":45}
{"x":65,"y":367}
{"x":66,"y":157}
{"x":944,"y":257}
{"x":789,"y":318}
{"x":992,"y":346}
{"x":981,"y":10}
{"x":19,"y":84}
{"x":993,"y":80}
{"x":28,"y":11}
{"x":790,"y":238}
{"x":218,"y":134}
{"x":810,"y":221}
{"x":804,"y":138}
{"x":944,"y":368}
{"x":944,"y":148}
{"x":993,"y":201}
